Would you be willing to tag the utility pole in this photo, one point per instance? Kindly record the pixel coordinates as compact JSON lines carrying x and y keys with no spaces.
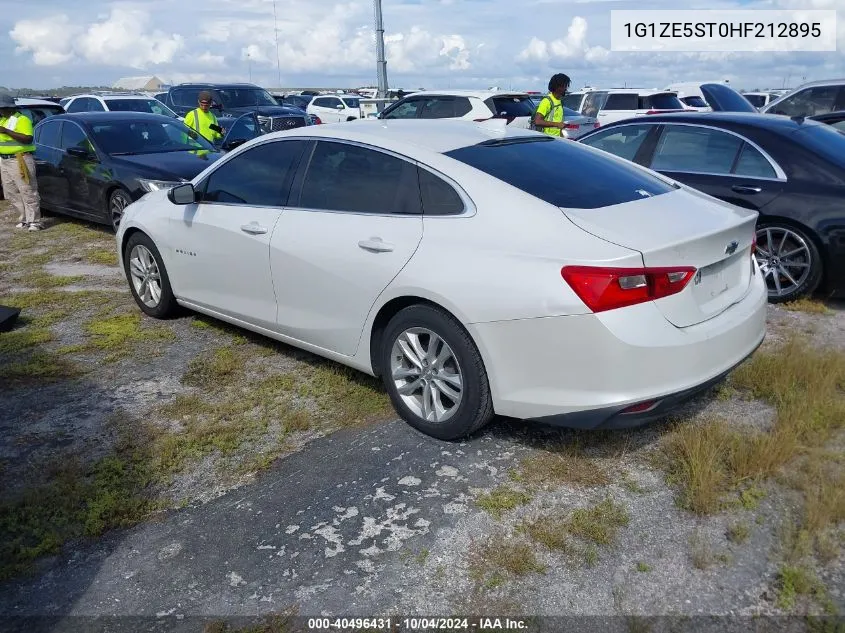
{"x":249,"y":63}
{"x":381,"y":61}
{"x":276,"y":35}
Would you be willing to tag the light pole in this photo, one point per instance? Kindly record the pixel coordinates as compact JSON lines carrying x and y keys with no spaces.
{"x":381,"y":61}
{"x":276,"y":36}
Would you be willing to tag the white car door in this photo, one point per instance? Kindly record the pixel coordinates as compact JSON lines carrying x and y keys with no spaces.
{"x":222,"y":244}
{"x":353,"y":222}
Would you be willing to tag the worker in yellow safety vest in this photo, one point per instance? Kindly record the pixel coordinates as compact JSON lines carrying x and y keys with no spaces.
{"x":203,"y":121}
{"x":17,"y":164}
{"x":548,"y":118}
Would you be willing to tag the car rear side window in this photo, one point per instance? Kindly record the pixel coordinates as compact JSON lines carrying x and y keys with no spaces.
{"x":516,"y":106}
{"x":621,"y":101}
{"x":753,"y":164}
{"x":561,"y":173}
{"x":663,"y":101}
{"x":186,"y":98}
{"x":49,"y":134}
{"x":623,"y":141}
{"x":438,"y":196}
{"x":259,"y":176}
{"x":347,"y":177}
{"x":695,"y":149}
{"x":445,"y":108}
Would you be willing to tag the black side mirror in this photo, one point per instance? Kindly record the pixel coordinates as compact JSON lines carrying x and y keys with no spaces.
{"x":228,"y":146}
{"x":79,"y":152}
{"x":182,"y":194}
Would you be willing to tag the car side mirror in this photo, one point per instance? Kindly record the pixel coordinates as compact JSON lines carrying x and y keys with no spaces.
{"x":182,"y":194}
{"x":340,"y":107}
{"x":228,"y":146}
{"x":79,"y":152}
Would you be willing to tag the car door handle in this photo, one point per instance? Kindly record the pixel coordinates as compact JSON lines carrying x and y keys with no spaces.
{"x":746,"y":189}
{"x":376,"y":245}
{"x":253,"y":228}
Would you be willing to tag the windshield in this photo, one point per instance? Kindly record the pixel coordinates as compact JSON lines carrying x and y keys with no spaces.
{"x":245,"y":97}
{"x":758,"y":101}
{"x":826,"y":141}
{"x":140,"y":105}
{"x":725,"y":99}
{"x":146,"y":137}
{"x":573,"y":100}
{"x":352,"y":102}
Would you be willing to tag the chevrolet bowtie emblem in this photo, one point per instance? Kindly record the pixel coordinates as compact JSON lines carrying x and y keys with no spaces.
{"x":730,"y":249}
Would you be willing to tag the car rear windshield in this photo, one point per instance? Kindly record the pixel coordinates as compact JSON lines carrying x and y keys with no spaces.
{"x":758,"y":101}
{"x":824,"y":140}
{"x":139,"y":105}
{"x":562,"y":173}
{"x":662,"y":101}
{"x":245,"y":97}
{"x":726,"y":99}
{"x":352,"y":102}
{"x":695,"y":101}
{"x":512,"y":106}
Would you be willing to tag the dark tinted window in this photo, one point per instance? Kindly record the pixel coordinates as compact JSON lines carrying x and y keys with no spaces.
{"x":561,"y":173}
{"x":39,"y":113}
{"x":445,"y":107}
{"x":153,"y":106}
{"x":126,"y":137}
{"x":573,"y":100}
{"x":695,"y":149}
{"x":438,"y":196}
{"x":753,"y":164}
{"x":758,"y":101}
{"x":343,"y":177}
{"x":593,"y":103}
{"x":725,"y":99}
{"x":73,"y":136}
{"x":661,"y":101}
{"x":511,"y":106}
{"x":187,"y":98}
{"x":49,"y":134}
{"x":259,"y":176}
{"x":406,"y":110}
{"x":244,"y":128}
{"x":94,"y":105}
{"x":621,"y":101}
{"x":622,"y":141}
{"x":695,"y":101}
{"x":245,"y":97}
{"x":78,"y":105}
{"x":352,"y":102}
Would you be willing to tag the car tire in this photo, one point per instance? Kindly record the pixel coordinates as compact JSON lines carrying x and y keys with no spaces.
{"x":804,"y":264}
{"x":448,"y":372}
{"x":142,"y":262}
{"x":118,"y":201}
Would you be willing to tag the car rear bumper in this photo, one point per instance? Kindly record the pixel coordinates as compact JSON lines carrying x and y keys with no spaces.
{"x":583,"y":371}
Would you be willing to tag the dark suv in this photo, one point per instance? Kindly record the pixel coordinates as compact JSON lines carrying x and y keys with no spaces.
{"x":231,"y":101}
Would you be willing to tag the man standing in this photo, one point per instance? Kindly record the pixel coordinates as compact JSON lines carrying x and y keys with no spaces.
{"x":549,"y":115}
{"x":17,"y":165}
{"x":203,"y":120}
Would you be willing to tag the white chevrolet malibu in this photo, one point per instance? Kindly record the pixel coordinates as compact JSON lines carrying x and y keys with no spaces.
{"x":476,"y":270}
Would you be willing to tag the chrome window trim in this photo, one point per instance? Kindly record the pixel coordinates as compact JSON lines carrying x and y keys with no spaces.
{"x":779,"y":172}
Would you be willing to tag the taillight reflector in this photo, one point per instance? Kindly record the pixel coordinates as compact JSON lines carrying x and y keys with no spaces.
{"x":604,"y":289}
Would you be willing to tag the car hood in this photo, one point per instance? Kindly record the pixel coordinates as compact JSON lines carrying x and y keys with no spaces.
{"x":170,"y":166}
{"x":267,"y":111}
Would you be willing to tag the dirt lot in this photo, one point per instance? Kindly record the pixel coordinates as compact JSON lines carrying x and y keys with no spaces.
{"x":263,"y":478}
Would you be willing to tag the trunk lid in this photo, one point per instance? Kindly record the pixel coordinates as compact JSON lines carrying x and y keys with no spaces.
{"x":678,"y":229}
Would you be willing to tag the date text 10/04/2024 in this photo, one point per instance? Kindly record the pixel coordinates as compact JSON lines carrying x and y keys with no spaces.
{"x":415,"y":624}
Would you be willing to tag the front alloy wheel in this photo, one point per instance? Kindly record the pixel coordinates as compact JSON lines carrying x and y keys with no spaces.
{"x":789,"y":261}
{"x":427,"y":374}
{"x":117,"y":205}
{"x":145,"y":275}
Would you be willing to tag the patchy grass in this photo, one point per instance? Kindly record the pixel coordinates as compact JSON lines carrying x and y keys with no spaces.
{"x":21,"y":339}
{"x":794,"y":581}
{"x":39,"y":367}
{"x":211,"y":369}
{"x":810,"y":306}
{"x":498,"y":558}
{"x":501,"y":500}
{"x":549,"y":531}
{"x":701,"y":551}
{"x":599,"y":523}
{"x":121,"y":331}
{"x":102,"y":256}
{"x":738,"y":532}
{"x":643,"y":567}
{"x":565,"y":464}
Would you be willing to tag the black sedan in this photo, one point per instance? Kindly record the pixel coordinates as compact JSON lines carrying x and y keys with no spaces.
{"x":834,"y":119}
{"x":92,"y":165}
{"x":792,"y":171}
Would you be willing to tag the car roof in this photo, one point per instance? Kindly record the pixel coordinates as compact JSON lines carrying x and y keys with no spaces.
{"x":106,"y":116}
{"x":479,"y":94}
{"x":432,"y":135}
{"x":214,"y":86}
{"x":26,"y":101}
{"x":771,"y":122}
{"x":636,"y":91}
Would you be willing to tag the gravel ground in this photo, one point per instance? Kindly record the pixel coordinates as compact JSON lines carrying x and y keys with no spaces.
{"x":371,"y":519}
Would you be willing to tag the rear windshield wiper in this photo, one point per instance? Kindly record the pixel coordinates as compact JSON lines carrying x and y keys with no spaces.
{"x":493,"y":142}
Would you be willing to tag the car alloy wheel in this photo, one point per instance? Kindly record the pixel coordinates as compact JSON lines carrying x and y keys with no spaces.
{"x":117,"y":205}
{"x":427,"y":374}
{"x":145,"y":275}
{"x":786,"y":260}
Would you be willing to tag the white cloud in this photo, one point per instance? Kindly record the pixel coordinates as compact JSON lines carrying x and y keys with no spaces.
{"x":570,"y":48}
{"x":50,"y":40}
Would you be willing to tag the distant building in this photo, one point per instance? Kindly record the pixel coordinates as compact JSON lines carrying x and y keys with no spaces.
{"x":148,"y":83}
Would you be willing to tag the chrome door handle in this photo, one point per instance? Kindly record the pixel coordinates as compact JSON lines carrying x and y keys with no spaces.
{"x":376,"y":245}
{"x":253,"y":229}
{"x":746,"y":190}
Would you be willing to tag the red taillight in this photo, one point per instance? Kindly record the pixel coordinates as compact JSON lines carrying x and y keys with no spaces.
{"x":604,"y":289}
{"x":662,"y":111}
{"x":317,"y":121}
{"x":596,"y":125}
{"x":640,"y":407}
{"x":571,"y":126}
{"x":754,"y":244}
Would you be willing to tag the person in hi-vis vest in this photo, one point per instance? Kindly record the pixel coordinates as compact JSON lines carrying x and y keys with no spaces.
{"x":203,"y":120}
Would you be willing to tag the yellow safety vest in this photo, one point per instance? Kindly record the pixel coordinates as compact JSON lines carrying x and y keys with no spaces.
{"x":201,"y":122}
{"x":554,"y":106}
{"x":21,"y":124}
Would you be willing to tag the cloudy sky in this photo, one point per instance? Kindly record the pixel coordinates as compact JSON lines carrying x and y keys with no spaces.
{"x":430,"y":43}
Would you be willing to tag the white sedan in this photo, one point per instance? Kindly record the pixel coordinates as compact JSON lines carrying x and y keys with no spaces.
{"x":476,"y":270}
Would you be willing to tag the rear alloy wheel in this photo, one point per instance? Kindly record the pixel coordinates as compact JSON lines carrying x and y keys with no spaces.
{"x":434,"y":374}
{"x":789,"y":260}
{"x":118,"y":201}
{"x":148,"y":278}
